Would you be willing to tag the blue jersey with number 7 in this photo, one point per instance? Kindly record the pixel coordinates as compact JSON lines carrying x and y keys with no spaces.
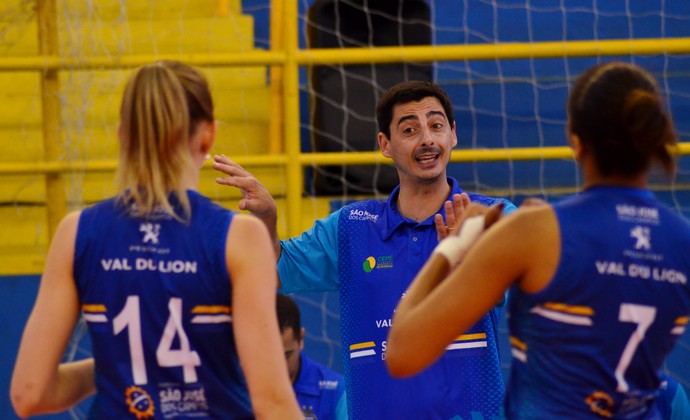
{"x":592,"y":343}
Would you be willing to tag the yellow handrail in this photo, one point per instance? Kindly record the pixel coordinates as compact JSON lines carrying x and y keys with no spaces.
{"x":309,"y":159}
{"x":503,"y":51}
{"x":53,"y":62}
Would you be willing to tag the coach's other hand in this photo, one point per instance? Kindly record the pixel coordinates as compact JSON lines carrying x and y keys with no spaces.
{"x":255,"y":197}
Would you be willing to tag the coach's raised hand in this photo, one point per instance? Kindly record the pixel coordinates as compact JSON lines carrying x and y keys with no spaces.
{"x":255,"y":197}
{"x":454,"y":211}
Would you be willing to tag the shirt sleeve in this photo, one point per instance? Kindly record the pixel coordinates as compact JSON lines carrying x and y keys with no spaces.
{"x":509,"y":208}
{"x":309,"y":262}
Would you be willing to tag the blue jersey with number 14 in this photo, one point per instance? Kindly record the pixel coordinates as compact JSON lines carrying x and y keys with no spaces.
{"x":591,"y":344}
{"x":156,"y":297}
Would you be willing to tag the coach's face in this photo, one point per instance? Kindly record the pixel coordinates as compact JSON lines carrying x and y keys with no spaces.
{"x":421,"y":140}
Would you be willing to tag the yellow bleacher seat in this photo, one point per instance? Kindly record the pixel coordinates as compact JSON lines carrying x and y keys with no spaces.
{"x":91,"y":98}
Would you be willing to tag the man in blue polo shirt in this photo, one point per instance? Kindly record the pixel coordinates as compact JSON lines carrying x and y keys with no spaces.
{"x":320,"y":391}
{"x":371,"y":250}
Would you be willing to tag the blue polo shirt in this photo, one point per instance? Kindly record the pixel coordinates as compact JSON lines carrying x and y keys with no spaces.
{"x":320,"y":391}
{"x":370,"y":253}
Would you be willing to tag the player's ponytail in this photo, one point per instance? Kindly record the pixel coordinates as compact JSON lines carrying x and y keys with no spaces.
{"x":616,"y":111}
{"x":161,"y":106}
{"x":649,"y":130}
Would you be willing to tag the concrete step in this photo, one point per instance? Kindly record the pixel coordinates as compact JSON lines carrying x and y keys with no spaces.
{"x":112,"y":10}
{"x":232,"y":33}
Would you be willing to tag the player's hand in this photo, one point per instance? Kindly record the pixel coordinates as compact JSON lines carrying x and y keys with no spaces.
{"x":454,"y":211}
{"x":255,"y":197}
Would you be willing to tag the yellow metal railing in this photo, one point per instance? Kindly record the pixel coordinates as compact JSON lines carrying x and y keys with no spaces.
{"x":285,"y":59}
{"x":51,"y":111}
{"x":317,"y":56}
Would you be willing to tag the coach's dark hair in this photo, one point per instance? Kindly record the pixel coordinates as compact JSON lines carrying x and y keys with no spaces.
{"x":288,"y":315}
{"x":617,"y":112}
{"x":405,"y":92}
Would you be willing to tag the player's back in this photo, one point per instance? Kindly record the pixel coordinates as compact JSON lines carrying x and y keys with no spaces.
{"x":593,"y":341}
{"x":156,"y":296}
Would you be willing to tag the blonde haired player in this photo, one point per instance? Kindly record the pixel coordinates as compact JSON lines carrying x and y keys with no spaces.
{"x":180,"y":307}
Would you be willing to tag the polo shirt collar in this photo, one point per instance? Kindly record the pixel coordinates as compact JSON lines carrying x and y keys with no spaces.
{"x":392,"y":219}
{"x":307,"y":379}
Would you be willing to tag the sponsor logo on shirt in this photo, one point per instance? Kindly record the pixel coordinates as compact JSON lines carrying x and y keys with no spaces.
{"x":139,"y":402}
{"x":642,"y":245}
{"x":150,"y":244}
{"x":151,"y":232}
{"x":150,"y":240}
{"x":626,"y":212}
{"x":642,"y":236}
{"x":362,"y":215}
{"x":384,"y":323}
{"x":382,"y":261}
{"x":185,"y":402}
{"x":148,"y":264}
{"x":330,"y":385}
{"x":621,"y":269}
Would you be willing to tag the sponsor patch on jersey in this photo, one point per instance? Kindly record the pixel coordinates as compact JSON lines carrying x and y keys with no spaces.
{"x":187,"y":401}
{"x":330,"y":385}
{"x":363,"y":215}
{"x":638,"y":214}
{"x":139,"y":402}
{"x":380,"y":262}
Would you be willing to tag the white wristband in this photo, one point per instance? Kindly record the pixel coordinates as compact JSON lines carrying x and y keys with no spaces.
{"x":454,"y":247}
